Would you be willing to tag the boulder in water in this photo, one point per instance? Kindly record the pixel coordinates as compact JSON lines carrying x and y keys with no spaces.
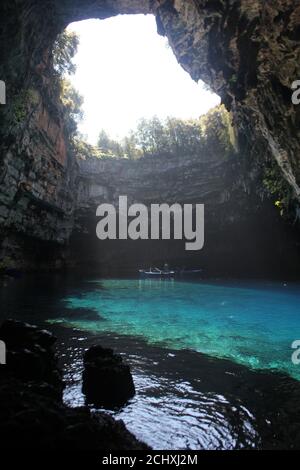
{"x":107,"y":381}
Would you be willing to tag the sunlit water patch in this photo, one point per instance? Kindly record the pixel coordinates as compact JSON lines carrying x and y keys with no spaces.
{"x":177,"y":403}
{"x":253,"y":325}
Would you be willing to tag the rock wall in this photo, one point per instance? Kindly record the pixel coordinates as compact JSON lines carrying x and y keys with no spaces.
{"x":37,"y":197}
{"x":243,"y":235}
{"x":150,"y":180}
{"x":247,"y":51}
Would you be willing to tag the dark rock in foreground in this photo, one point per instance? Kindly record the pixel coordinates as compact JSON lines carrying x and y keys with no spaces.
{"x":30,"y":357}
{"x":31,"y":418}
{"x":107,"y":381}
{"x":32,"y":413}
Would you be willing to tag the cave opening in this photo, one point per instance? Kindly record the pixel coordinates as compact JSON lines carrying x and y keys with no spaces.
{"x":47,"y":194}
{"x":126,"y":72}
{"x":135,"y":93}
{"x":199,"y":341}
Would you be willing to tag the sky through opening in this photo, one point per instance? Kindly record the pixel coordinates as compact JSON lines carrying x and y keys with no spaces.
{"x":126,"y":71}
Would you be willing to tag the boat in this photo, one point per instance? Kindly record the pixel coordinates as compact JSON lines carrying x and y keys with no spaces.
{"x":156,"y":273}
{"x":167,"y":273}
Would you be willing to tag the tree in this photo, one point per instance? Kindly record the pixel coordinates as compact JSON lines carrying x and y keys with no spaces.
{"x":151,"y":137}
{"x":217,"y":130}
{"x":208,"y":135}
{"x":109,"y":146}
{"x":184,"y":137}
{"x":64,"y":50}
{"x":72,"y":103}
{"x":104,"y":141}
{"x":130,"y":147}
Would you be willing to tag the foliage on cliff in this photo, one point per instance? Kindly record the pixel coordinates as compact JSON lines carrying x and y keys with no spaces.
{"x":172,"y":137}
{"x":64,"y":50}
{"x":83,"y":150}
{"x":72,"y":102}
{"x":278,"y":189}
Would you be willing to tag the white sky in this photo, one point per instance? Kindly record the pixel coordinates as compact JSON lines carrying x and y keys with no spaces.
{"x":126,"y":71}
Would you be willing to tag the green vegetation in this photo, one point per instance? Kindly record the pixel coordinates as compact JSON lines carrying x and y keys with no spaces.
{"x":218,"y":130}
{"x":174,"y":137}
{"x":72,"y":103}
{"x":84,"y":150}
{"x":278,"y":188}
{"x":209,"y":135}
{"x":108,"y":146}
{"x":20,"y":107}
{"x":64,"y":50}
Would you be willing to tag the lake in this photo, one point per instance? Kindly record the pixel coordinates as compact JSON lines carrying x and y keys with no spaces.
{"x":211,"y":359}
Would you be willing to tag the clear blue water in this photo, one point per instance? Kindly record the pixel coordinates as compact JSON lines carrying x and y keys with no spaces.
{"x":250,"y":324}
{"x":184,"y":400}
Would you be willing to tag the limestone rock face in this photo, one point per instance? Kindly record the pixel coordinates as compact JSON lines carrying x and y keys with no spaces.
{"x":247,"y":51}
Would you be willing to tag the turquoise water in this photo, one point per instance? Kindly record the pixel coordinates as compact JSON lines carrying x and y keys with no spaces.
{"x":253,"y":325}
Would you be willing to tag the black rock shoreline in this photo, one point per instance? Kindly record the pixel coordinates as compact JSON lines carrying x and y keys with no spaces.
{"x":32,"y":412}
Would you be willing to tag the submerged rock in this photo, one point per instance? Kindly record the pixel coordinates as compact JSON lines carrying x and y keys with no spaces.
{"x":107,"y":381}
{"x":32,"y":412}
{"x":86,"y":314}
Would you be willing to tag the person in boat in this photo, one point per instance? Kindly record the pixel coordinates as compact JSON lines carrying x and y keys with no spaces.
{"x":166,"y":267}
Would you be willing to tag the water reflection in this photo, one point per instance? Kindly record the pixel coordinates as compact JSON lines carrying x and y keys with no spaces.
{"x":165,"y":284}
{"x":168,"y":412}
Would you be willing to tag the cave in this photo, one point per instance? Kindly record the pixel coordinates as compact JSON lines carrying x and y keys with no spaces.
{"x":248,"y":53}
{"x":218,"y":42}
